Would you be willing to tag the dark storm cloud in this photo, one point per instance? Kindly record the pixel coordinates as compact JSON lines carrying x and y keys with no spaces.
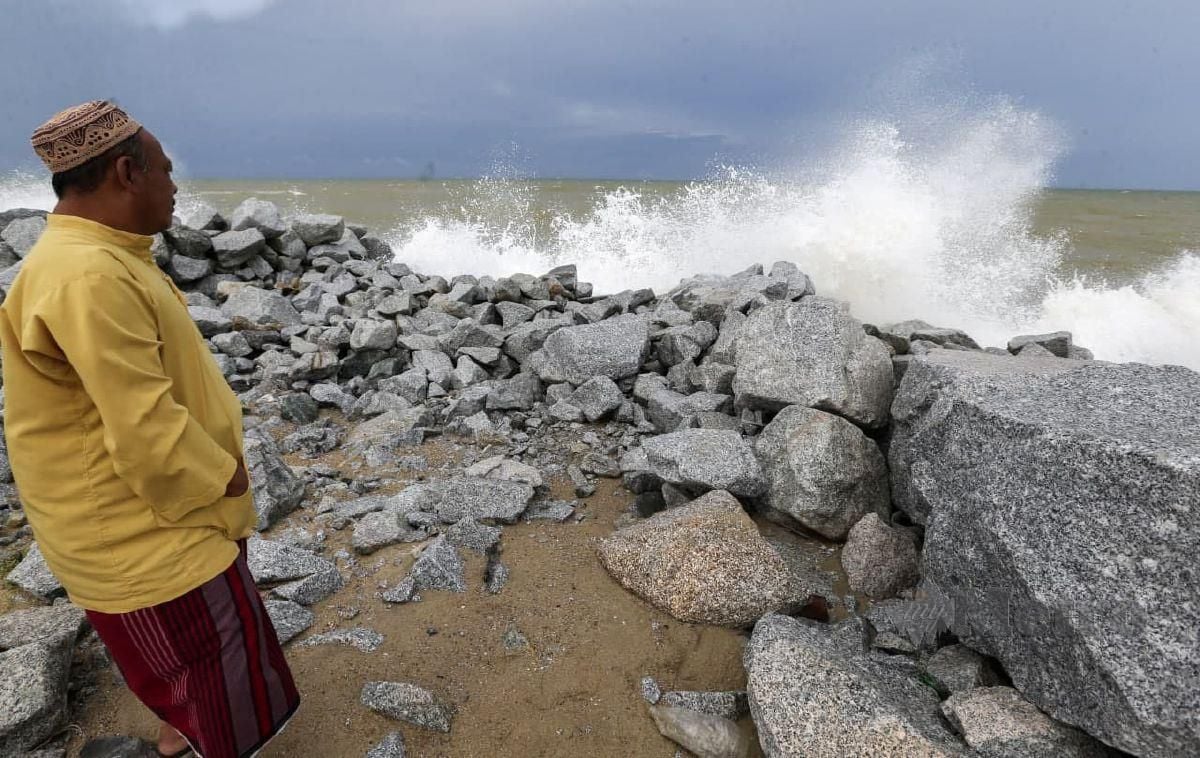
{"x":666,"y":89}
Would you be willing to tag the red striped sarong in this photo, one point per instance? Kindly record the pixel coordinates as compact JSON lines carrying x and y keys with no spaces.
{"x":208,"y":663}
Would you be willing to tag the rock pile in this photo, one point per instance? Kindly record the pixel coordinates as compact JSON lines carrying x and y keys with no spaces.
{"x":1014,"y":516}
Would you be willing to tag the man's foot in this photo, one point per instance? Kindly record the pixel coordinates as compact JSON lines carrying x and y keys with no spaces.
{"x":171,"y":743}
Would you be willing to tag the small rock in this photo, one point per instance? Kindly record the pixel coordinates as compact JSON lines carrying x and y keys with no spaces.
{"x":958,"y":668}
{"x":513,"y":640}
{"x":209,"y":321}
{"x":360,"y":638}
{"x":34,"y":576}
{"x":598,"y":398}
{"x":1055,"y":343}
{"x":298,"y":408}
{"x":289,"y":619}
{"x":815,"y":691}
{"x":497,"y":576}
{"x":471,"y":535}
{"x":407,"y":702}
{"x":600,"y":465}
{"x":650,"y":690}
{"x":704,"y":459}
{"x":557,"y":511}
{"x":23,"y":233}
{"x":998,"y":723}
{"x":258,"y":306}
{"x":275,"y":562}
{"x":728,"y":705}
{"x":615,"y":348}
{"x":377,"y":530}
{"x":402,"y":592}
{"x":705,"y":736}
{"x":506,"y":469}
{"x":312,"y":589}
{"x":439,"y":568}
{"x":316,"y":229}
{"x":235,"y":248}
{"x":480,"y":499}
{"x":880,"y":560}
{"x":391,"y":746}
{"x":118,"y":747}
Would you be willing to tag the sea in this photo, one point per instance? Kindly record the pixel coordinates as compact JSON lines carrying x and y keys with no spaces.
{"x":980,"y":245}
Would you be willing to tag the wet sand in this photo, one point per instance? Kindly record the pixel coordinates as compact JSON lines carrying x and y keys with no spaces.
{"x":574,"y":691}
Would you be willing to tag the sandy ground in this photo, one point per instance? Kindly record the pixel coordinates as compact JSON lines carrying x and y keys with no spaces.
{"x":574,"y":691}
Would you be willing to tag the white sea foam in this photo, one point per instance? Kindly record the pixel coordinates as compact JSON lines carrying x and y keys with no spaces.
{"x":22,"y":190}
{"x":1156,"y":320}
{"x":937,"y":228}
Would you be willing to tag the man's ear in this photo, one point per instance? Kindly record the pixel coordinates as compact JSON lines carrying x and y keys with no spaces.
{"x":125,"y":170}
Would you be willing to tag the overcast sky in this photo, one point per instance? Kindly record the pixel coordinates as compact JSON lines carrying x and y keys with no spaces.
{"x":583,"y":88}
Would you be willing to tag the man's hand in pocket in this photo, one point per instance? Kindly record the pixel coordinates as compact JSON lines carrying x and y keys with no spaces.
{"x":240,"y":482}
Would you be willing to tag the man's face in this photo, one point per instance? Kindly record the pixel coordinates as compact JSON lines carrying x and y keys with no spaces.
{"x":156,"y":198}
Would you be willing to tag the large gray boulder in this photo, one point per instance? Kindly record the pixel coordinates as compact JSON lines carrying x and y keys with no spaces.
{"x":33,"y":692}
{"x":236,"y":248}
{"x":189,"y":243}
{"x":704,"y":562}
{"x":50,"y":622}
{"x":823,"y":473}
{"x":700,"y":460}
{"x":197,"y":215}
{"x":22,"y":234}
{"x":615,"y":348}
{"x":709,"y":297}
{"x":1057,"y":497}
{"x":260,"y":215}
{"x":815,"y":693}
{"x":33,"y":575}
{"x":184,"y":270}
{"x":209,"y":321}
{"x":318,"y":228}
{"x":812,"y":353}
{"x":259,"y":306}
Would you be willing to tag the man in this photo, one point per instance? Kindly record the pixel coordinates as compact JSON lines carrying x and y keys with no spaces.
{"x":126,"y":445}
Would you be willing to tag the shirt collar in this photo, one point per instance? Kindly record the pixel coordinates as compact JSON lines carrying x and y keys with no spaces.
{"x":138,"y":244}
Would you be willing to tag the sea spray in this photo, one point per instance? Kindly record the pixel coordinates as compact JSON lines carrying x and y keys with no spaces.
{"x":939,"y":229}
{"x":23,"y":190}
{"x":1156,"y":320}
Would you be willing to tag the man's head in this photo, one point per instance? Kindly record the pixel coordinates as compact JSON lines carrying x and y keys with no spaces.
{"x":105,"y":161}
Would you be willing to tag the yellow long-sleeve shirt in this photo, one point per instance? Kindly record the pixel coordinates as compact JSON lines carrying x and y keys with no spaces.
{"x":121,"y":430}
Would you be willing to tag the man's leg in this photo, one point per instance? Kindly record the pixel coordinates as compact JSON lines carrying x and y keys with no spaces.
{"x":208,"y":663}
{"x":170,"y":741}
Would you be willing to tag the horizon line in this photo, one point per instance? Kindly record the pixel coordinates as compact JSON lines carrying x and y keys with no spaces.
{"x":607,"y":180}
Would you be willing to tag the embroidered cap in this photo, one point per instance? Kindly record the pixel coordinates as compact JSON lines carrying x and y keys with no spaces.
{"x":80,"y":133}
